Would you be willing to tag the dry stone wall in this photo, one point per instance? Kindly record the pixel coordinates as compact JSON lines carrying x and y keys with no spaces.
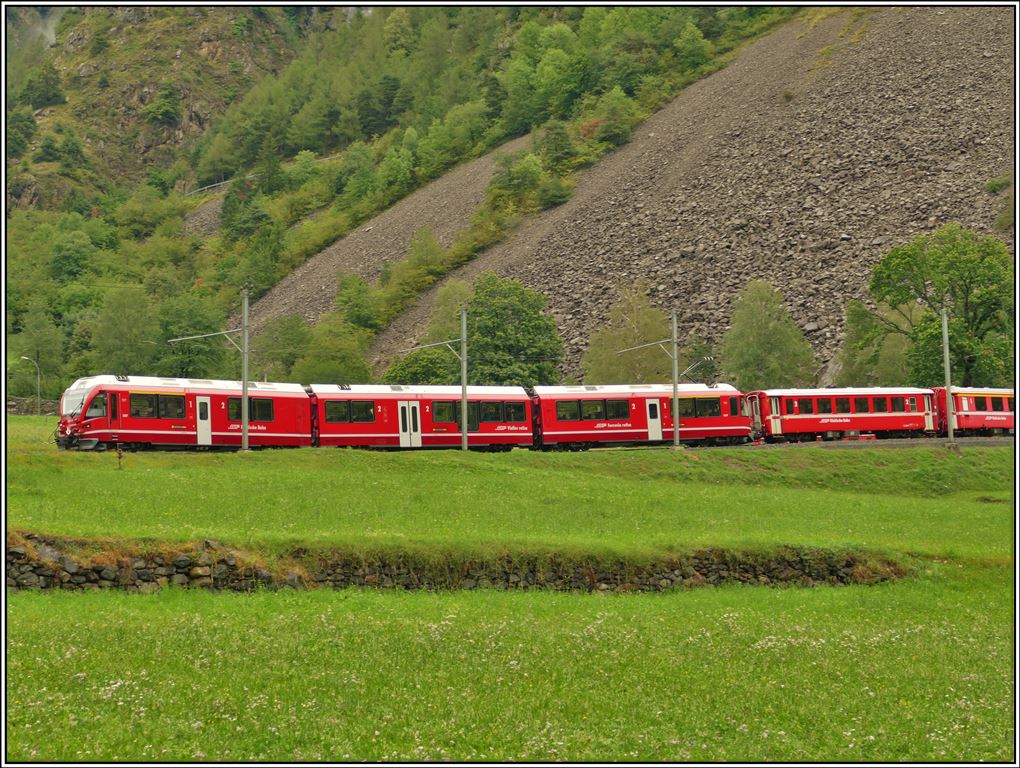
{"x":37,"y":562}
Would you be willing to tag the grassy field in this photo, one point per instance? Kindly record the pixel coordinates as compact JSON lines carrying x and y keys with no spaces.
{"x":919,"y":670}
{"x":917,"y":500}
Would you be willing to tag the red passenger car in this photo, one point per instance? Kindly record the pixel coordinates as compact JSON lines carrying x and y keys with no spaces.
{"x":806,"y":414}
{"x":400,"y":416}
{"x":581,"y":416}
{"x":976,"y":411}
{"x":147,"y":411}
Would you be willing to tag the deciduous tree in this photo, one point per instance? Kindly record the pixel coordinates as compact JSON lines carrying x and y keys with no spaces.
{"x":764,"y":346}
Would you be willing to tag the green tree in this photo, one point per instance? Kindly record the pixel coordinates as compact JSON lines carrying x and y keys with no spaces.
{"x":554,"y":146}
{"x":48,"y":151}
{"x":692,"y":49}
{"x":437,"y":365}
{"x":336,"y":354}
{"x":268,"y":172}
{"x":71,"y":254}
{"x":41,"y":341}
{"x":126,"y":333}
{"x":510,"y":340}
{"x":358,"y":302}
{"x":42,"y":87}
{"x":763,"y":346}
{"x":71,"y":153}
{"x":281,"y":343}
{"x":968,"y":275}
{"x":520,"y":107}
{"x":188,"y":315}
{"x":871,"y":355}
{"x":450,"y":299}
{"x":165,"y":109}
{"x":556,"y":84}
{"x":618,"y":114}
{"x":396,"y":174}
{"x":241,"y":215}
{"x":397,"y":32}
{"x":632,"y":321}
{"x":985,"y":362}
{"x":21,"y":128}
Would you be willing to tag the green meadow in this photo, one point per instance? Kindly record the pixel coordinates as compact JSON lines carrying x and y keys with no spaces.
{"x":919,"y":669}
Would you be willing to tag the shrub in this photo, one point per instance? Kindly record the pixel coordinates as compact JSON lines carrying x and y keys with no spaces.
{"x":165,"y":109}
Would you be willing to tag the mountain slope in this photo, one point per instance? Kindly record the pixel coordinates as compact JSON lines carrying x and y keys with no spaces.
{"x":141,"y":84}
{"x":444,"y":207}
{"x":801,"y":163}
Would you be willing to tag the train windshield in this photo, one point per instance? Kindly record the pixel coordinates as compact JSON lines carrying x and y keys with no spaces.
{"x":72,"y":401}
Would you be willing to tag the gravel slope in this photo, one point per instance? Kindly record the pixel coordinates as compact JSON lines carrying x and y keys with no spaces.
{"x":801,"y":163}
{"x":445,"y":206}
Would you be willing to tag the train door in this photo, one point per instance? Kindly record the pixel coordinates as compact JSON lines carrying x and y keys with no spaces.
{"x":752,"y":400}
{"x":654,"y":419}
{"x":203,"y":421}
{"x":776,"y":419}
{"x":410,"y":423}
{"x":929,"y":415}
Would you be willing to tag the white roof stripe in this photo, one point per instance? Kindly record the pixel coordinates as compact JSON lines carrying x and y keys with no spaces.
{"x":147,"y":382}
{"x":385,"y":390}
{"x":636,"y":389}
{"x":849,"y":391}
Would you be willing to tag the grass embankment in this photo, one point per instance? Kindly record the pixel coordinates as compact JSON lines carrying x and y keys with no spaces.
{"x":917,"y":670}
{"x":636,"y":503}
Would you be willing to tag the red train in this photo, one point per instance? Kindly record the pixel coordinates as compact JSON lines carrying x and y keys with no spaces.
{"x":793,"y":415}
{"x":141,"y":411}
{"x":582,"y":416}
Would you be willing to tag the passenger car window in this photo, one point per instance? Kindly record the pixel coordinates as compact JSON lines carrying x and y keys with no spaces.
{"x":825,"y":405}
{"x":593,"y":410}
{"x":980,"y":403}
{"x":492,"y":412}
{"x":996,"y":403}
{"x":338,"y":411}
{"x":568,"y":410}
{"x":143,"y":406}
{"x":363,"y":411}
{"x":708,"y":406}
{"x":171,"y":406}
{"x":881,"y":404}
{"x":685,"y":406}
{"x":861,"y":405}
{"x":617,"y":409}
{"x":842,"y":405}
{"x":898,"y":404}
{"x":442,"y":412}
{"x":259,"y":409}
{"x":806,"y":405}
{"x":515,"y":413}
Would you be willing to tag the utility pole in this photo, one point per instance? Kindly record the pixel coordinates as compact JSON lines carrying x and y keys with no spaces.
{"x":463,"y":357}
{"x":244,"y":368}
{"x":676,"y":401}
{"x":950,"y":416}
{"x":463,"y":380}
{"x":676,"y":377}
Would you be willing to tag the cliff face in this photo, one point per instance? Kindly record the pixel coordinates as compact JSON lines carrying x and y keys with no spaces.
{"x":116,"y":63}
{"x":801,"y":164}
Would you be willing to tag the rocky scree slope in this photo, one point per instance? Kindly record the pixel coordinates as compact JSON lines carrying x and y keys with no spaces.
{"x":444,"y":206}
{"x":801,"y":163}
